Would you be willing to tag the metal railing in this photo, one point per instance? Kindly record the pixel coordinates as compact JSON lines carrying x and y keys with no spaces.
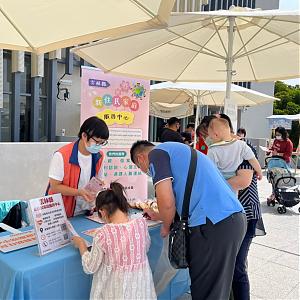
{"x":189,"y":5}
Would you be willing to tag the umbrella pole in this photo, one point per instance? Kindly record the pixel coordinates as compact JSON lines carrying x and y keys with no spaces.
{"x":228,"y":109}
{"x":197,"y":118}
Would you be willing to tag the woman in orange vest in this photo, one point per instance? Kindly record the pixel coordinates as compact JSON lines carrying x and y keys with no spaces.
{"x":74,"y":164}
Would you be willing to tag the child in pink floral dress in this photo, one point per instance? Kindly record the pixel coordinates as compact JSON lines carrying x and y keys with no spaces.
{"x":118,"y":258}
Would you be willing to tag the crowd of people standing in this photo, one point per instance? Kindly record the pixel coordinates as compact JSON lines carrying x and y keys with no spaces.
{"x":224,"y":211}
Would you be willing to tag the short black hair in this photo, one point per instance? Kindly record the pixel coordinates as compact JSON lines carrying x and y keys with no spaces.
{"x":242,"y":131}
{"x":173,"y":121}
{"x":137,"y":147}
{"x":94,"y":126}
{"x":282,"y":131}
{"x":190,"y":125}
{"x":224,"y":116}
{"x":187,"y":136}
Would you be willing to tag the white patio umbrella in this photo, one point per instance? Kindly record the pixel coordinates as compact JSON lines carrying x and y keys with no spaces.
{"x":168,"y":110}
{"x":248,"y":45}
{"x":42,"y":26}
{"x":205,"y":94}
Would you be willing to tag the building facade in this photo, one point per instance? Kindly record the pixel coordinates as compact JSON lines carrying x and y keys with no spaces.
{"x":32,"y":108}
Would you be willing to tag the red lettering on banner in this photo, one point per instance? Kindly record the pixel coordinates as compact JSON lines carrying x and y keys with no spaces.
{"x":46,"y":200}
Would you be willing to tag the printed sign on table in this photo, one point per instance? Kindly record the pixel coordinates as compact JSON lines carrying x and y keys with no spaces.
{"x":50,"y":222}
{"x":17,"y":241}
{"x":123,"y":103}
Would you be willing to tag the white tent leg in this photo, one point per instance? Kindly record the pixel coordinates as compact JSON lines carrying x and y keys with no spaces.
{"x":230,"y":107}
{"x":229,"y":61}
{"x":197,"y":118}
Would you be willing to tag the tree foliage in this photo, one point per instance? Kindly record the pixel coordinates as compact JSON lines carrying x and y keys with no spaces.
{"x":289,"y":96}
{"x":289,"y":104}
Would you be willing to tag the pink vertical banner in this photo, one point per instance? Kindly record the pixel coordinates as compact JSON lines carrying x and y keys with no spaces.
{"x":123,"y":103}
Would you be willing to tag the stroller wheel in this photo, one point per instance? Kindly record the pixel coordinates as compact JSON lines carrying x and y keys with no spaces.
{"x":299,"y":209}
{"x":281,"y":209}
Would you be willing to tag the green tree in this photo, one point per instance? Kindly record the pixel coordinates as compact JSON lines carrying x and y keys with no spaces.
{"x":280,"y":86}
{"x":285,"y":97}
{"x":292,"y":108}
{"x":289,"y":104}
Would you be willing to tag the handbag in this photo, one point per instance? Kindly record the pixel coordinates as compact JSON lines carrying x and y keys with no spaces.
{"x":178,"y":237}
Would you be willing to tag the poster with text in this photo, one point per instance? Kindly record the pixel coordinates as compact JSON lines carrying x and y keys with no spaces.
{"x":50,"y":223}
{"x":123,"y":103}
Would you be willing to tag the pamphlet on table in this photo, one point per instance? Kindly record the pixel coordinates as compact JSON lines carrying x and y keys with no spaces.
{"x":17,"y":241}
{"x":132,"y":215}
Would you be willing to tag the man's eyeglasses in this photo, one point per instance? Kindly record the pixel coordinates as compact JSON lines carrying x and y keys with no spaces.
{"x":102,"y":143}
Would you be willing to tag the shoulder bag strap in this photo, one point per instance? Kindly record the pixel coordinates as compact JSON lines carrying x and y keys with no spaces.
{"x":189,"y":185}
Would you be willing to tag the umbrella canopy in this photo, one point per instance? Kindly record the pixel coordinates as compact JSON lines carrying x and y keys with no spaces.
{"x":244,"y":44}
{"x":264,"y":46}
{"x":166,"y":110}
{"x":207,"y":93}
{"x":42,"y":26}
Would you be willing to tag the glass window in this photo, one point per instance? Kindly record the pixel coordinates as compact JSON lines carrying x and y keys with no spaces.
{"x":43,"y":81}
{"x":5,"y":119}
{"x":7,"y":75}
{"x":26,"y":76}
{"x":43,"y":119}
{"x":25,"y":119}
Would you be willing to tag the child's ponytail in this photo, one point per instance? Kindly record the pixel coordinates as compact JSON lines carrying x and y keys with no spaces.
{"x":112,"y":199}
{"x":119,"y":192}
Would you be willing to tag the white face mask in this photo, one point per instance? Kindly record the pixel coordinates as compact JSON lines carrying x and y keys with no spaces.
{"x":278,"y":137}
{"x":93,"y":149}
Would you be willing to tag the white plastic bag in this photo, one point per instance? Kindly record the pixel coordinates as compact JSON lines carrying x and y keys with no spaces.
{"x":164,"y":272}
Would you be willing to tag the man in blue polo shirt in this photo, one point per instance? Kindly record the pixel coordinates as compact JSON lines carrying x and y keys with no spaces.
{"x":216,"y":220}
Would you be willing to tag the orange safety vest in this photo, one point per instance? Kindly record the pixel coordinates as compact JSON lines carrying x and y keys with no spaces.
{"x":72,"y":173}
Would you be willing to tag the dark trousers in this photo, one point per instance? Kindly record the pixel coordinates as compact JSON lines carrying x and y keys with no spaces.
{"x":240,"y":283}
{"x":212,"y":253}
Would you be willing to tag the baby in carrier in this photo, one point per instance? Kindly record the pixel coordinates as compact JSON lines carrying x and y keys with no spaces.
{"x":228,"y":152}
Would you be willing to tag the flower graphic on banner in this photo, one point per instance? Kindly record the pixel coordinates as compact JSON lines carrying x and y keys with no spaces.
{"x":111,"y":117}
{"x":125,"y":86}
{"x":118,"y":92}
{"x":138,"y":91}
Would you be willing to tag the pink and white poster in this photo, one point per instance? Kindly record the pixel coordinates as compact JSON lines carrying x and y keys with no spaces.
{"x":123,"y":103}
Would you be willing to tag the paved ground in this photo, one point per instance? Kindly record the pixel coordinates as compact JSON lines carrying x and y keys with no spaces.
{"x":273,"y":259}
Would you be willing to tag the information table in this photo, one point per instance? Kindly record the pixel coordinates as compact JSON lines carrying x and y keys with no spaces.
{"x":59,"y":275}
